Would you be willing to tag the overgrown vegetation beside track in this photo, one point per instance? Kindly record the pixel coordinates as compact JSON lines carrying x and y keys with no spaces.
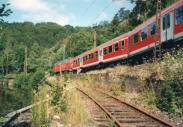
{"x":171,"y":73}
{"x":159,"y":86}
{"x":66,"y":103}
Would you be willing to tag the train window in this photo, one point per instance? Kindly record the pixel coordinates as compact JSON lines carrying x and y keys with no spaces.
{"x":130,"y":41}
{"x":136,"y":38}
{"x":74,"y":62}
{"x":116,"y":47}
{"x":78,"y":61}
{"x":96,"y":54}
{"x":144,"y":34}
{"x":92,"y":55}
{"x":166,"y":21}
{"x":89,"y":56}
{"x":153,"y":28}
{"x":86,"y":58}
{"x":179,"y":15}
{"x":105,"y":51}
{"x":123,"y":44}
{"x":83,"y":59}
{"x":110,"y":49}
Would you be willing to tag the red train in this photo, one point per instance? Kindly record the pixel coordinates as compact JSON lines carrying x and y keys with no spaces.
{"x":137,"y":41}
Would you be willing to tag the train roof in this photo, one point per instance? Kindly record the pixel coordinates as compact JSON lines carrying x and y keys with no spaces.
{"x":63,"y":61}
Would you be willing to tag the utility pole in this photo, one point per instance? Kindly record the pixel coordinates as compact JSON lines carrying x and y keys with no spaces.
{"x":25,"y":61}
{"x":2,"y":64}
{"x":95,"y":36}
{"x":70,"y":47}
{"x":64,"y":52}
{"x":7,"y":64}
{"x":157,"y":52}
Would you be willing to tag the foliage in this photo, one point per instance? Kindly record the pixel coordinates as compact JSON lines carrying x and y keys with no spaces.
{"x":29,"y":81}
{"x":56,"y":93}
{"x":21,"y":81}
{"x":149,"y":97}
{"x":38,"y":38}
{"x":39,"y":111}
{"x":171,"y":95}
{"x":1,"y":121}
{"x":112,"y":123}
{"x":4,"y":12}
{"x":37,"y":79}
{"x":51,"y":72}
{"x":63,"y":105}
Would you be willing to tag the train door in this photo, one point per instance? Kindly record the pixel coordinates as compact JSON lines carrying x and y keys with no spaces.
{"x":81,"y":61}
{"x":100,"y":55}
{"x":167,"y":26}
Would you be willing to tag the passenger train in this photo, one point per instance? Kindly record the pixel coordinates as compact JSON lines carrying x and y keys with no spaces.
{"x":138,"y":41}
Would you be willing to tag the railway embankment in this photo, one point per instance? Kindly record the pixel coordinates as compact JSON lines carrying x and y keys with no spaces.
{"x":156,"y":86}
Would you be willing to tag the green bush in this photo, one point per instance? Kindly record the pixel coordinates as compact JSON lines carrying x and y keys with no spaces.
{"x":171,"y":96}
{"x":171,"y":99}
{"x":1,"y":121}
{"x":57,"y":94}
{"x":37,"y":79}
{"x":29,"y":81}
{"x":63,"y":105}
{"x":51,"y":71}
{"x":21,"y":81}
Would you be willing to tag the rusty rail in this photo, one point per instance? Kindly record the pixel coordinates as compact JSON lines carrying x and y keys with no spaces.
{"x":142,"y":111}
{"x":103,"y":108}
{"x":122,"y":103}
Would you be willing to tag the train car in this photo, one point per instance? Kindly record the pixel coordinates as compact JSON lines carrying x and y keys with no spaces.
{"x":116,"y":49}
{"x":90,"y":58}
{"x":142,"y":38}
{"x":64,"y":65}
{"x":76,"y":62}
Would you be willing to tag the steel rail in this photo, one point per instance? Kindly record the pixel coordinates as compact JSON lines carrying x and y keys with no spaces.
{"x":142,"y":110}
{"x":103,"y":108}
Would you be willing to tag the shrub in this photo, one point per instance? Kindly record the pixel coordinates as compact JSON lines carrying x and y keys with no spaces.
{"x":172,"y":88}
{"x":1,"y":121}
{"x":37,"y":79}
{"x":57,"y":94}
{"x":21,"y":81}
{"x":51,"y":71}
{"x":63,"y":105}
{"x":171,"y":96}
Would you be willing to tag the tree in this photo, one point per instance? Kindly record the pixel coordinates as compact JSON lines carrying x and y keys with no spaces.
{"x":115,"y":22}
{"x":123,"y":14}
{"x":4,"y":12}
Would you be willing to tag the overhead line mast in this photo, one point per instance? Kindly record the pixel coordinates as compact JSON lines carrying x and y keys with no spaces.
{"x":157,"y":52}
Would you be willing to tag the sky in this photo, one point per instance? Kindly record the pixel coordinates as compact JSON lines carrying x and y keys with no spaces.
{"x":63,"y":12}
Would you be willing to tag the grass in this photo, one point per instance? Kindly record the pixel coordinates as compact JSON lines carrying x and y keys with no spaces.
{"x":69,"y":105}
{"x":120,"y":68}
{"x":76,"y":112}
{"x":39,"y":112}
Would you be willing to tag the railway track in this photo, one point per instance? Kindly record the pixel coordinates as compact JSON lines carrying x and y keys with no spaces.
{"x":110,"y":109}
